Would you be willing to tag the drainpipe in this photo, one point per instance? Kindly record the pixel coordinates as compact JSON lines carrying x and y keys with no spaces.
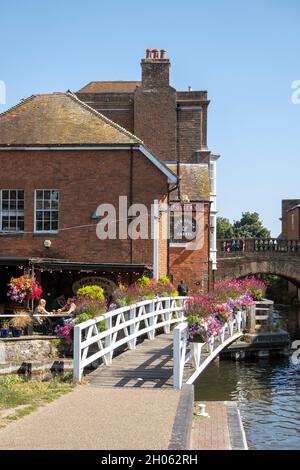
{"x":130,"y":203}
{"x":209,"y":237}
{"x":168,"y":245}
{"x":155,"y":237}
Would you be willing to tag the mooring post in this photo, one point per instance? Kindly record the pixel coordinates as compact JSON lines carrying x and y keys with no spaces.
{"x":251,"y":320}
{"x":270,"y":319}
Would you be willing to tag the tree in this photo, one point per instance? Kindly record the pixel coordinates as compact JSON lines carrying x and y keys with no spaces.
{"x":250,"y":226}
{"x":224,"y":228}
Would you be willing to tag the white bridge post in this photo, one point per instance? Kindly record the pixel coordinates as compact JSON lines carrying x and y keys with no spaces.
{"x":132,"y":316}
{"x":168,"y":314}
{"x":108,"y":341}
{"x":77,"y":370}
{"x":152,"y":320}
{"x":179,"y":352}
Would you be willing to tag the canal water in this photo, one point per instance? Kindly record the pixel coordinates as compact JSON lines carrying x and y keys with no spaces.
{"x":267,"y":391}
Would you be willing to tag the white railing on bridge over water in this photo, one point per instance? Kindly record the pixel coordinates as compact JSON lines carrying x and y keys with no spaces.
{"x":125,"y":325}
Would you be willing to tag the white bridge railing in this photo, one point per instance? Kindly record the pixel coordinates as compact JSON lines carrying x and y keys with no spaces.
{"x":123,"y":326}
{"x":185,"y":351}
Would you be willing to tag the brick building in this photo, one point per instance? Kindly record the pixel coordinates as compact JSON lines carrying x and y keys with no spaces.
{"x":60,"y":159}
{"x":62,"y":155}
{"x":173,"y":125}
{"x":290,"y":219}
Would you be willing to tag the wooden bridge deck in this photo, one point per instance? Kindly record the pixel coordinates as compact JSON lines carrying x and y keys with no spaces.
{"x":150,"y":365}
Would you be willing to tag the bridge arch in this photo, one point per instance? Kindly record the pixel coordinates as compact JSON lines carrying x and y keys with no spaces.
{"x":281,"y":259}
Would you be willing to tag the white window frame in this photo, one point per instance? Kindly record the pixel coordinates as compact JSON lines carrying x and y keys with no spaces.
{"x":8,"y":211}
{"x":43,"y":210}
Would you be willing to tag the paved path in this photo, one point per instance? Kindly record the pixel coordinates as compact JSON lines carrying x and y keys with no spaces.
{"x":222,"y":430}
{"x":97,"y":419}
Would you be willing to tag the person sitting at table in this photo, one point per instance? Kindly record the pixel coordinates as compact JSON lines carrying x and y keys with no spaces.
{"x":69,"y":308}
{"x":41,"y":308}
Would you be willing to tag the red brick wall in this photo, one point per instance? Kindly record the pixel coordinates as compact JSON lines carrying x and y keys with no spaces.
{"x":155,"y":121}
{"x":293,"y":224}
{"x":287,"y":204}
{"x":192,"y":265}
{"x":85,"y":179}
{"x":116,"y":106}
{"x":189,"y":132}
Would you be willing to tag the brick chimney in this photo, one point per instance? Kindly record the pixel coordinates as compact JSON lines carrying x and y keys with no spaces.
{"x":155,"y":69}
{"x":155,"y":106}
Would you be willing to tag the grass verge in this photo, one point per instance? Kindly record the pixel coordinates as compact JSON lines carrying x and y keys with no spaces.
{"x":19,"y":396}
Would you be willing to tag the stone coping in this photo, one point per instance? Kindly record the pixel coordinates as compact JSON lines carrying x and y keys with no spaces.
{"x":181,"y":432}
{"x":236,"y":429}
{"x":28,"y":338}
{"x":31,"y":367}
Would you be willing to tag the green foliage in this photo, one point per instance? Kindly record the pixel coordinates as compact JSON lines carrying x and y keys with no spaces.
{"x":192,"y":319}
{"x":93,"y":292}
{"x":88,"y":316}
{"x":259,"y":294}
{"x":278,"y":290}
{"x":83,"y":317}
{"x":224,"y":228}
{"x":249,"y":226}
{"x":144,"y":281}
{"x":16,"y":392}
{"x":164,"y":280}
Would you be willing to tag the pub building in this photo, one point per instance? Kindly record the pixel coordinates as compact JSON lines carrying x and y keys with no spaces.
{"x":61,"y":158}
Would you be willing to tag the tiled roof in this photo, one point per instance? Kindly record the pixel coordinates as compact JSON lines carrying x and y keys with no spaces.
{"x":194,"y":181}
{"x":57,"y":119}
{"x":110,"y":87}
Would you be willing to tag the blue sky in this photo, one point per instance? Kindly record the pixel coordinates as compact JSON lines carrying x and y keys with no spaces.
{"x":245,"y":53}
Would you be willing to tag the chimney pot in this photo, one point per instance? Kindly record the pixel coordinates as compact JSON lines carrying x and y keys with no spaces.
{"x":155,"y":53}
{"x":148,"y":53}
{"x":163,"y":53}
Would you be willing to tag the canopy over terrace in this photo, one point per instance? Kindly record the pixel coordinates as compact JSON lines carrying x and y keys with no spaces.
{"x":61,"y":277}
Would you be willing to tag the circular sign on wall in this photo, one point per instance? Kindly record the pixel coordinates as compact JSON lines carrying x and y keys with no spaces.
{"x":107,"y":285}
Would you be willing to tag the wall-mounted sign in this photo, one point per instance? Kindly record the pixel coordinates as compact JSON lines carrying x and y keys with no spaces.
{"x":107,"y":285}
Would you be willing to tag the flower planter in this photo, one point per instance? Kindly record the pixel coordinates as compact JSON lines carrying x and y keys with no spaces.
{"x":196,"y":347}
{"x":16,"y":332}
{"x":210,"y":344}
{"x":238,"y":318}
{"x":222,"y":334}
{"x":4,"y":332}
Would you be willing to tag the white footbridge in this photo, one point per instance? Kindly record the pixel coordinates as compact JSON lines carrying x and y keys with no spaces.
{"x":146,"y":345}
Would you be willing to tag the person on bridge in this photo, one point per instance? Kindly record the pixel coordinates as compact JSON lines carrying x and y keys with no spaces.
{"x":182,"y":288}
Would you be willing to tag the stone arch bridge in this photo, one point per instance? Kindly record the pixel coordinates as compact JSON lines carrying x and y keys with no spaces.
{"x":240,"y":257}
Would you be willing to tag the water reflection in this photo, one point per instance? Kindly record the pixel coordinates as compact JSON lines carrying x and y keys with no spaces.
{"x":268,"y":392}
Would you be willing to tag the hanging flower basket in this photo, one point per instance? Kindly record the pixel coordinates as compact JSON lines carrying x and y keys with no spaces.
{"x":24,"y":288}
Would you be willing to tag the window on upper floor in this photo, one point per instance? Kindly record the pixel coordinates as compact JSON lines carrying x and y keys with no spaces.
{"x":11,"y":210}
{"x":46,"y":210}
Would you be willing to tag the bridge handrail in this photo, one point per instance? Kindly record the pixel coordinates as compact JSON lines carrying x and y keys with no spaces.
{"x":127,"y":321}
{"x":251,"y":245}
{"x":181,"y":354}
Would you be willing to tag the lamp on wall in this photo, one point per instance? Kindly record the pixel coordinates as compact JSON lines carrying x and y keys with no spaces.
{"x":47,"y":243}
{"x":94,"y":216}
